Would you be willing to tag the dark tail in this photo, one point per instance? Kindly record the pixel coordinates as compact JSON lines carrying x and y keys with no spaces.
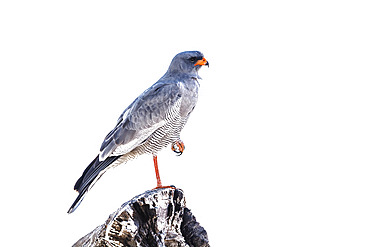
{"x":89,"y":177}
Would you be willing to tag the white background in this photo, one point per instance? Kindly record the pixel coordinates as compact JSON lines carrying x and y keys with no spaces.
{"x":277,"y":149}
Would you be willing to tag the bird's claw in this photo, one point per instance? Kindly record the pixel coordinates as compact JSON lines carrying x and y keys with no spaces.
{"x":178,"y":147}
{"x":165,"y":187}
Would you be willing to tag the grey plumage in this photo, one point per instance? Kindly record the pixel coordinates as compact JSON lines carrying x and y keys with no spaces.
{"x":151,"y":122}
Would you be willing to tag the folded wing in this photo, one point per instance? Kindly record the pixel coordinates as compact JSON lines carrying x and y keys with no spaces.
{"x":146,"y":114}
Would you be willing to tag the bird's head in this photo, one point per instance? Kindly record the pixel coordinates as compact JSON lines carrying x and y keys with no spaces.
{"x":188,"y":63}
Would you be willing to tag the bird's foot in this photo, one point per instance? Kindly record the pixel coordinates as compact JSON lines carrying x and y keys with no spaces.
{"x":178,"y":147}
{"x":164,"y":187}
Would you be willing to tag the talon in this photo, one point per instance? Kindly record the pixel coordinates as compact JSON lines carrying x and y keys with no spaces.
{"x":178,"y":147}
{"x":165,"y":187}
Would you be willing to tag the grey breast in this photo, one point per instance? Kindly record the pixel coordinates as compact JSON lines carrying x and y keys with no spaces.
{"x":175,"y":118}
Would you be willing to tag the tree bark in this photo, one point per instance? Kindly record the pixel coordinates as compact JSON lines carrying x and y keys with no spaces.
{"x":154,"y":218}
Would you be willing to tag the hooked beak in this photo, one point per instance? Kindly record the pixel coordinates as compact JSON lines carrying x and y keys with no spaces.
{"x":202,"y":62}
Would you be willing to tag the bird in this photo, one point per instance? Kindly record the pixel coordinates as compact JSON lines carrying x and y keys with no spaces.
{"x":150,"y":123}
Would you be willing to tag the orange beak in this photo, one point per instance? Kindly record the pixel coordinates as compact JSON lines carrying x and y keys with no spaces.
{"x":201,"y":62}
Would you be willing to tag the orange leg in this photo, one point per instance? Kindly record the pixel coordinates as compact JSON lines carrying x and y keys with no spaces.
{"x":159,"y":183}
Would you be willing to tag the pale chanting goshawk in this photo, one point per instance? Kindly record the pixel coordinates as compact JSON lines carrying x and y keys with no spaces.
{"x":151,"y":122}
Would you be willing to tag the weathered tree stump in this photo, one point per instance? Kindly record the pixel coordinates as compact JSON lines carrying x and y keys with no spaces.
{"x":154,"y":218}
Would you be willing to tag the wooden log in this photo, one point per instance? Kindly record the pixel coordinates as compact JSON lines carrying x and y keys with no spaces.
{"x":155,"y":218}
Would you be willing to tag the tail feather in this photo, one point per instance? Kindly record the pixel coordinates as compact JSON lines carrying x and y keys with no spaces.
{"x":89,"y":177}
{"x":77,"y":202}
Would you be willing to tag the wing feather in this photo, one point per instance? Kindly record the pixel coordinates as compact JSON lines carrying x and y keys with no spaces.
{"x":140,"y":119}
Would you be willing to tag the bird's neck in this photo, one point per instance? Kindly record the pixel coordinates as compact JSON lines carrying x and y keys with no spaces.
{"x":180,"y":76}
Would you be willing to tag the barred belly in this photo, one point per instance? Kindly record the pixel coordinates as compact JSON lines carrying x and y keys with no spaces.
{"x":162,"y":137}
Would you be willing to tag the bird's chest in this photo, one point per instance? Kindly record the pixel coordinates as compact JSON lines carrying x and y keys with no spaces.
{"x":189,"y":97}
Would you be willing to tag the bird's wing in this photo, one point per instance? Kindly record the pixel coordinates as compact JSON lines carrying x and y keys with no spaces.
{"x":140,"y":119}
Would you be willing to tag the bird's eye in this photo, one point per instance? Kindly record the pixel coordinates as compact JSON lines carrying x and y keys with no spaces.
{"x":193,"y":59}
